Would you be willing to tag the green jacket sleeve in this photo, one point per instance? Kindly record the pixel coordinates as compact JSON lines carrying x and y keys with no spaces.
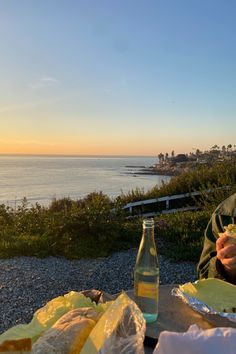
{"x":209,"y":266}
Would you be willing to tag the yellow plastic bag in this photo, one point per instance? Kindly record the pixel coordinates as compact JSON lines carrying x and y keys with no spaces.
{"x":46,"y":316}
{"x":120,"y":330}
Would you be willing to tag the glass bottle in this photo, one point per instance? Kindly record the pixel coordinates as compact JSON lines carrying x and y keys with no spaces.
{"x":146,"y":274}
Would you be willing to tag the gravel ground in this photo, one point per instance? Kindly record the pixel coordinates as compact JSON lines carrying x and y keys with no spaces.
{"x":27,"y":283}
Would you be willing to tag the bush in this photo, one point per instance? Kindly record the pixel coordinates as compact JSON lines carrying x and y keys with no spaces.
{"x":95,"y":226}
{"x":90,"y":227}
{"x":184,"y":233}
{"x":200,"y":179}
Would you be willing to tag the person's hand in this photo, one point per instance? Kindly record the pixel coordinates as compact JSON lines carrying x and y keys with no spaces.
{"x":226,"y":253}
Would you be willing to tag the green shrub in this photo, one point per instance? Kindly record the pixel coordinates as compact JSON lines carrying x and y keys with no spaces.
{"x":184,"y":233}
{"x":95,"y":226}
{"x":201,"y":178}
{"x":90,"y":227}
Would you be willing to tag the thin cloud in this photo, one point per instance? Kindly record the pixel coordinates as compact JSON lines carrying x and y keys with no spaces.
{"x":26,"y":142}
{"x":44,"y":82}
{"x":28,"y":105}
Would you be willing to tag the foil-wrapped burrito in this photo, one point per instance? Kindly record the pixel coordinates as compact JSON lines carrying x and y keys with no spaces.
{"x":210,"y":297}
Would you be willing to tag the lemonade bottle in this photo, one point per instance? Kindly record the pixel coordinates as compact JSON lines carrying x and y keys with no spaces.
{"x":146,"y":274}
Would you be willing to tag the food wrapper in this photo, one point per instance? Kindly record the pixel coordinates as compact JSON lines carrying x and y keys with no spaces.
{"x":121,"y":328}
{"x":230,"y":231}
{"x":46,"y":316}
{"x":214,"y":298}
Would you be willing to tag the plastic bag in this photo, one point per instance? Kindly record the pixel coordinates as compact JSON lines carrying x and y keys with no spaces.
{"x":46,"y":316}
{"x":121,"y":330}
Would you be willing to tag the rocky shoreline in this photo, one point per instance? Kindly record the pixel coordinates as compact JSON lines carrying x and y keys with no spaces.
{"x":159,"y":171}
{"x":27,"y":283}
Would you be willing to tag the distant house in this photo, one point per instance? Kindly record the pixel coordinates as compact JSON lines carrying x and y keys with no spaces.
{"x":179,"y":158}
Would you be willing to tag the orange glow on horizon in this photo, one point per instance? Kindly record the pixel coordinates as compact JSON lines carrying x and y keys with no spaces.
{"x":72,"y":149}
{"x":92,"y":146}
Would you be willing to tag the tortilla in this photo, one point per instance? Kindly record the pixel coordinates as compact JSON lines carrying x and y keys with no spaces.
{"x":19,"y":346}
{"x":216,"y":293}
{"x":230,"y":231}
{"x":69,"y":333}
{"x":46,"y":316}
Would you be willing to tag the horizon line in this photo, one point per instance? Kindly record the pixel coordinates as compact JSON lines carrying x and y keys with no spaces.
{"x":75,"y":155}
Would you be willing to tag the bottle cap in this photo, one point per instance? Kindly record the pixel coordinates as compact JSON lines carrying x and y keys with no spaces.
{"x":148,"y":223}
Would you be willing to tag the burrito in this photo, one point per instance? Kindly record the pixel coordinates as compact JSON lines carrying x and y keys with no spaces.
{"x":17,"y":346}
{"x":230,"y":231}
{"x":66,"y":336}
{"x":69,"y":333}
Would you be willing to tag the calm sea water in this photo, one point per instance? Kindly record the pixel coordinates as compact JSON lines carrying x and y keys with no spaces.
{"x":42,"y":178}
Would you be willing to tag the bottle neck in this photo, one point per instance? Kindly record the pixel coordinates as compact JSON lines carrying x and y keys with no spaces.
{"x":148,"y":236}
{"x":147,"y":253}
{"x":148,"y":231}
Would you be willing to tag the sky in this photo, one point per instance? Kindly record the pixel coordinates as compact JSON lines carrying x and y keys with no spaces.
{"x":117,"y":77}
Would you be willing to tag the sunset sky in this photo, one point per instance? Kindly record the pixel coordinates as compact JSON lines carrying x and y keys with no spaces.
{"x":123,"y":77}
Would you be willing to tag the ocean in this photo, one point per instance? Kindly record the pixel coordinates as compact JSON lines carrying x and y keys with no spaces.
{"x":42,"y":178}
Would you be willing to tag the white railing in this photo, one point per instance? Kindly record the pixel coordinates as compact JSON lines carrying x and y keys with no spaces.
{"x":166,"y":199}
{"x":138,"y":205}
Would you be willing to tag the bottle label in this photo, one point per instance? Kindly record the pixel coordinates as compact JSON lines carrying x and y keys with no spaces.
{"x":148,"y":290}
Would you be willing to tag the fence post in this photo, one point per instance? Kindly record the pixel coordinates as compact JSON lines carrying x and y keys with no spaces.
{"x":167,"y":203}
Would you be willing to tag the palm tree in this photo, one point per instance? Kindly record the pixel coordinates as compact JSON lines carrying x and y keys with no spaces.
{"x":161,"y":157}
{"x":215,"y":147}
{"x":198,"y":152}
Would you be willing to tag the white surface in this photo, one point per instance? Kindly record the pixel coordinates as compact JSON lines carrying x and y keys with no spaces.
{"x":197,"y":341}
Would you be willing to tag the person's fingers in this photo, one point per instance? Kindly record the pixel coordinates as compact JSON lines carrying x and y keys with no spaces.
{"x":229,"y":263}
{"x":220,"y":242}
{"x":228,"y":251}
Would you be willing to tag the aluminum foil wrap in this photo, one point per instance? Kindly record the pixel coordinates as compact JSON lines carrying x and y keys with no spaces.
{"x":210,"y":313}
